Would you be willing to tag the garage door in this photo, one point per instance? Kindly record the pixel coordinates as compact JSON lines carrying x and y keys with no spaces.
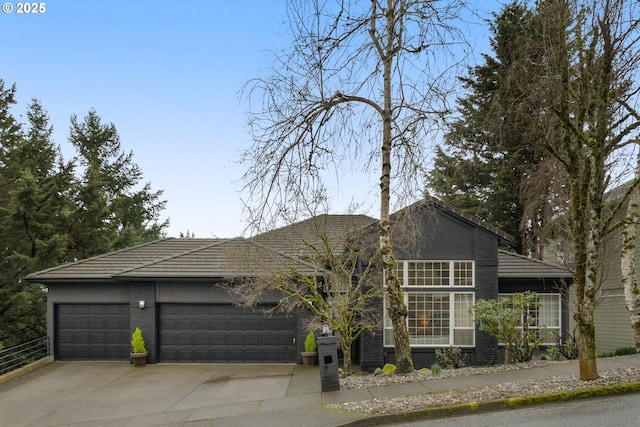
{"x":224,"y":333}
{"x":92,"y":332}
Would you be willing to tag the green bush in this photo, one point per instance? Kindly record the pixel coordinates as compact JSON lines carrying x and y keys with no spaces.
{"x":137,"y":342}
{"x":506,"y":319}
{"x":436,"y":369}
{"x":389,"y":369}
{"x":310,"y":343}
{"x":625,"y":351}
{"x":450,"y":357}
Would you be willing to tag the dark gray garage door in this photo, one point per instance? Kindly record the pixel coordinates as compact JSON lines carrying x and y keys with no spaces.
{"x":224,"y":333}
{"x":92,"y":332}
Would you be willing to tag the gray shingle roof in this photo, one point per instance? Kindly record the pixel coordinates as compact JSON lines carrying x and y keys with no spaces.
{"x":298,"y":239}
{"x":176,"y":258}
{"x":260,"y":255}
{"x":514,"y":266}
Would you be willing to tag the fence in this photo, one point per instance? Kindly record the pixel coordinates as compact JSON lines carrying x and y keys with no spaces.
{"x":16,"y":357}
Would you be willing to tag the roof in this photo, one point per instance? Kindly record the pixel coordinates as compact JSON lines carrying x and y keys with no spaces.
{"x":279,"y":249}
{"x":300,"y":238}
{"x":514,"y":266}
{"x":176,"y":258}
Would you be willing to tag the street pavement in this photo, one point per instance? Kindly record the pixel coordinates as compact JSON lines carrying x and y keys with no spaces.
{"x":115,"y":394}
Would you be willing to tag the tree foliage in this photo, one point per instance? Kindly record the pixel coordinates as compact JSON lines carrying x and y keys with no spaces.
{"x":44,"y":220}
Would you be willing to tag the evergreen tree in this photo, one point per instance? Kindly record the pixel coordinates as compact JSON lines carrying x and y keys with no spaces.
{"x":49,"y":215}
{"x":493,"y":152}
{"x":33,"y":221}
{"x":111,"y":213}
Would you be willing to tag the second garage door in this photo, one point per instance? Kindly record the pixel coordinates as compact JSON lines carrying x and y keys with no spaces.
{"x":224,"y":333}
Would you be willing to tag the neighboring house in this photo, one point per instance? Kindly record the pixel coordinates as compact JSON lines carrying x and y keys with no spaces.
{"x":613,"y":324}
{"x":176,"y":291}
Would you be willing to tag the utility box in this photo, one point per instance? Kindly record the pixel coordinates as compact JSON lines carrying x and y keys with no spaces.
{"x":328,"y":360}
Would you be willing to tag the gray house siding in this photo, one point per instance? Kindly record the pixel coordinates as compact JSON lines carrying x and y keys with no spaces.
{"x":613,"y":325}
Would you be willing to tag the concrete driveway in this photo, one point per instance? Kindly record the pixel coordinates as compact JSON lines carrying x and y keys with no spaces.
{"x":116,"y":394}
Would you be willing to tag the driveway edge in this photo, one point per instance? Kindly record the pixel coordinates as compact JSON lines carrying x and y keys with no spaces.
{"x":10,"y":376}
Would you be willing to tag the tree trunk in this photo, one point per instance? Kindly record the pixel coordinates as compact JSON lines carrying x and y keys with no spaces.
{"x":346,"y":355}
{"x":397,"y":309}
{"x":628,"y":262}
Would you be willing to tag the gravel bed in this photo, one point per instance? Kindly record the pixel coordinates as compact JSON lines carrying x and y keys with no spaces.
{"x":472,"y":394}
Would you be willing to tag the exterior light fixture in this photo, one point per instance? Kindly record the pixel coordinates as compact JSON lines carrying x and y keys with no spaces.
{"x":141,"y":303}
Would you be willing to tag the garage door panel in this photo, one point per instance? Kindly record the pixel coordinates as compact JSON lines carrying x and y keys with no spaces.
{"x":223,"y":333}
{"x":92,"y":331}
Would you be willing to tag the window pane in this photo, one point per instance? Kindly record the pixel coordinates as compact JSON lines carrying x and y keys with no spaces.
{"x":463,"y":337}
{"x":463,"y":314}
{"x":549,"y":310}
{"x":424,"y":273}
{"x":463,"y":273}
{"x":428,"y":318}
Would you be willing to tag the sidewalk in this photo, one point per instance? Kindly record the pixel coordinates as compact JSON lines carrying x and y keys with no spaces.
{"x":113,"y":394}
{"x":286,"y":415}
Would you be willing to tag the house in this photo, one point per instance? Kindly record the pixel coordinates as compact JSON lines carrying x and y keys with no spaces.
{"x":176,"y":291}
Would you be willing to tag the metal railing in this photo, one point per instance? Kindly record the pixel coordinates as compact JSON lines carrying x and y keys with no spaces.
{"x":20,"y":355}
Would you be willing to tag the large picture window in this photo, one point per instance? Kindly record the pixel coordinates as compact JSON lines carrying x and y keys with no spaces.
{"x":545,"y":318}
{"x":436,"y":319}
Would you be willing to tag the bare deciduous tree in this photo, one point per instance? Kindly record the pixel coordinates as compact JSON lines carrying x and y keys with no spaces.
{"x":591,"y":54}
{"x":363,"y":82}
{"x":340,"y":293}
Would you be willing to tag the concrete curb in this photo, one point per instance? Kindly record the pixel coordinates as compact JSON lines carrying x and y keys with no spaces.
{"x":10,"y":376}
{"x":495,"y":405}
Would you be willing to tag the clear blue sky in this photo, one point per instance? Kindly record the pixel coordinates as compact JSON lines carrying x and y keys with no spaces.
{"x":167,"y":74}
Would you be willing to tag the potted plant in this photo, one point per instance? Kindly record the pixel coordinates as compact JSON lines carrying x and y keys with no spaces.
{"x":138,"y":350}
{"x":309,"y":354}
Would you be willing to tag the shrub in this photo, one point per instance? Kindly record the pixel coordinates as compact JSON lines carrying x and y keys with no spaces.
{"x":450,"y":357}
{"x":310,"y":343}
{"x":567,"y":350}
{"x":506,"y":319}
{"x":436,"y":369}
{"x":389,"y":369}
{"x":137,"y":342}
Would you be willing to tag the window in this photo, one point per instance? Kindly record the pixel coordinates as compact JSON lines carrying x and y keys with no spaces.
{"x":545,"y":318}
{"x":435,"y":273}
{"x":436,"y":319}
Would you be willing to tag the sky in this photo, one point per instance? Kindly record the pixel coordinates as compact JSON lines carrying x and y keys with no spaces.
{"x":168,"y":74}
